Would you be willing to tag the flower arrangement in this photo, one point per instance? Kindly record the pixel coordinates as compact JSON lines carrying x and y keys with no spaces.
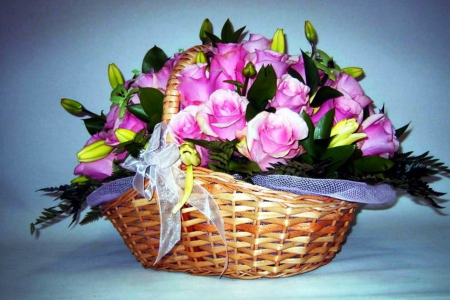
{"x":248,"y":109}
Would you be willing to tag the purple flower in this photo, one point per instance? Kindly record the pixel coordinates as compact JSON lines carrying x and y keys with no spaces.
{"x":381,"y":139}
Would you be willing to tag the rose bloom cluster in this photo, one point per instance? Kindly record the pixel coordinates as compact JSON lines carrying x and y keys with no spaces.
{"x":211,"y":109}
{"x":103,"y":168}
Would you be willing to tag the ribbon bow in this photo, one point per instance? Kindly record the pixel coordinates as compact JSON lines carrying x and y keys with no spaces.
{"x":159,"y":162}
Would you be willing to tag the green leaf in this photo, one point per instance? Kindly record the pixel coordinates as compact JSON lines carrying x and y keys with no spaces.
{"x":251,"y":111}
{"x":323,"y":127}
{"x":323,"y":94}
{"x":94,"y":125}
{"x":263,"y":88}
{"x":337,"y":156}
{"x":372,"y":165}
{"x":234,"y":38}
{"x":311,"y":72}
{"x":227,"y":31}
{"x":152,"y":104}
{"x":154,"y":59}
{"x":138,"y":111}
{"x":247,"y":167}
{"x":400,"y":131}
{"x":308,"y":143}
{"x":296,"y":75}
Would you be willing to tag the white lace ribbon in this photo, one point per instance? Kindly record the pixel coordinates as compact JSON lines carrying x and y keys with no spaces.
{"x":159,"y":162}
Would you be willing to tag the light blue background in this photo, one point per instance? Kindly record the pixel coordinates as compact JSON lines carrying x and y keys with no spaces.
{"x":57,"y":49}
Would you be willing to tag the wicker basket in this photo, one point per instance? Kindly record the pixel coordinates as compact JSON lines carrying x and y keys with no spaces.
{"x":269,"y":233}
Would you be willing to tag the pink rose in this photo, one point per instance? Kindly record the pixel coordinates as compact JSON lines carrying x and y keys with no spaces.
{"x":101,"y":168}
{"x":345,"y":108}
{"x":381,"y":139}
{"x":194,"y":75}
{"x":273,"y":137}
{"x":348,"y":84}
{"x":256,"y":42}
{"x":184,"y":125}
{"x":222,"y":114}
{"x":268,"y":57}
{"x":296,"y":63}
{"x":226,"y":64}
{"x":113,"y":122}
{"x":291,"y":94}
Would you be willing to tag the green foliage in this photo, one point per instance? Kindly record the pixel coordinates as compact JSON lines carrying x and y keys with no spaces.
{"x":228,"y":35}
{"x":93,"y":215}
{"x":312,"y":74}
{"x":71,"y":197}
{"x":262,"y":90}
{"x":94,"y":124}
{"x":154,"y":59}
{"x":134,"y":146}
{"x":152,"y":105}
{"x":222,"y":160}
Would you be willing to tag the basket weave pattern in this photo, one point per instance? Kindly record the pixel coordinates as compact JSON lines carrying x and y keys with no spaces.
{"x":269,"y":233}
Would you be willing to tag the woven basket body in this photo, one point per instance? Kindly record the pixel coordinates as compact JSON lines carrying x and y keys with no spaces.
{"x":269,"y":233}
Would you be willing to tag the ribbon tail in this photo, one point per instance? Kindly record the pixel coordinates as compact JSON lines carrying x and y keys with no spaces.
{"x":205,"y":203}
{"x":168,"y":196}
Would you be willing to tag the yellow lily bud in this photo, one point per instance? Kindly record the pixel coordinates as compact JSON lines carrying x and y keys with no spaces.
{"x":310,"y":32}
{"x":188,"y":154}
{"x":278,"y":41}
{"x":95,"y":151}
{"x":79,"y":180}
{"x":343,"y":133}
{"x":124,"y":135}
{"x":72,"y":106}
{"x":249,"y":70}
{"x":355,"y":72}
{"x":114,"y":75}
{"x":201,"y":57}
{"x":206,"y":27}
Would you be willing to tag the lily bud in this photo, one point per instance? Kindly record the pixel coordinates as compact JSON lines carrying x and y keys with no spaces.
{"x":310,"y":32}
{"x":249,"y":70}
{"x":201,"y":58}
{"x":343,"y":133}
{"x":114,"y":75}
{"x":278,"y":41}
{"x":79,"y":180}
{"x":124,"y":135}
{"x":189,"y":155}
{"x":95,"y":151}
{"x":206,"y":27}
{"x":355,"y":72}
{"x":71,"y":106}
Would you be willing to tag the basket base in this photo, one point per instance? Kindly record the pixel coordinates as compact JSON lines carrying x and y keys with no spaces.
{"x":269,"y":234}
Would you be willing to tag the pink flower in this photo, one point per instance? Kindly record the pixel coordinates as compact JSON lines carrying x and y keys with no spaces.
{"x":296,"y":63}
{"x":226,"y":64}
{"x":291,"y":94}
{"x":222,"y":114}
{"x":184,"y":125}
{"x":113,"y":122}
{"x":268,"y":57}
{"x":349,"y":85}
{"x":194,"y":75}
{"x":272,"y":137}
{"x":381,"y":139}
{"x":101,"y":168}
{"x":345,"y":108}
{"x":256,"y":42}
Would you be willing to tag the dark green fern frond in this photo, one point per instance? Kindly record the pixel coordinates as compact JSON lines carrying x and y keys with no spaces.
{"x":93,"y":215}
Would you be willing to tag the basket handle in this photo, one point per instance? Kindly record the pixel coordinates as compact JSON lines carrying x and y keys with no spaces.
{"x":171,"y":102}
